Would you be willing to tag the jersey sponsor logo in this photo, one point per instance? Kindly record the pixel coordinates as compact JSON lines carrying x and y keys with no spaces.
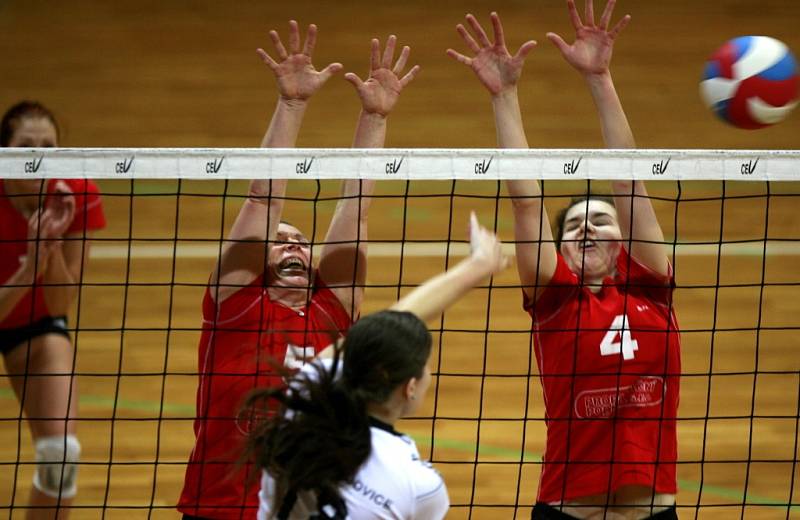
{"x":372,"y":494}
{"x":604,"y":402}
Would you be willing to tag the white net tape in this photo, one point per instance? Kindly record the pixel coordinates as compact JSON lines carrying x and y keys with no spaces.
{"x":416,"y":164}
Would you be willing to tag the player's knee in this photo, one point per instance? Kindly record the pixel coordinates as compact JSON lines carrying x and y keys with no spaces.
{"x":57,"y":466}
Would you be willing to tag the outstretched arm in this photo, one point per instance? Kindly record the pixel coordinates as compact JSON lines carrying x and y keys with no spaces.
{"x":244,"y":256}
{"x":499,"y":72}
{"x":590,"y":55}
{"x":343,"y":261}
{"x":432,"y":298}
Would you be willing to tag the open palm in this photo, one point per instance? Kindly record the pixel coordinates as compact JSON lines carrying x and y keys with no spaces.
{"x":591,"y":51}
{"x":381,"y":90}
{"x":492,"y":63}
{"x":294,"y":72}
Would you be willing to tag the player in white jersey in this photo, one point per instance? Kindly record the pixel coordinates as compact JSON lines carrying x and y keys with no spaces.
{"x":328,"y":449}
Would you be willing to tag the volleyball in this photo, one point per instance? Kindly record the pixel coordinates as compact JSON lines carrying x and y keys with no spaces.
{"x":751,"y":82}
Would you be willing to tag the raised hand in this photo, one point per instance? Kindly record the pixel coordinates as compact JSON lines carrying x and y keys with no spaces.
{"x":485,"y":247}
{"x":590,"y":53}
{"x":380,"y":92}
{"x":297,"y":78}
{"x":494,"y":65}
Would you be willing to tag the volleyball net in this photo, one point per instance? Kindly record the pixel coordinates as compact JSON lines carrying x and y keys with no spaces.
{"x":732,"y":229}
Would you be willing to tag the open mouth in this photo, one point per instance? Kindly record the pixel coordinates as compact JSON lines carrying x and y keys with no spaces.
{"x":587,"y":245}
{"x":292,"y":265}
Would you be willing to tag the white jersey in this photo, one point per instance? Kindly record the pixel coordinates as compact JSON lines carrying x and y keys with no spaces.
{"x":393,"y":484}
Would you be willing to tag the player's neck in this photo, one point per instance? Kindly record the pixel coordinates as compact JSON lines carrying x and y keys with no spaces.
{"x":383,"y":413}
{"x":292,"y":297}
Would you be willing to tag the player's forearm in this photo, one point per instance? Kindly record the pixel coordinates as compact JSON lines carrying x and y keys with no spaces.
{"x":370,"y":130}
{"x":285,"y":124}
{"x":431,"y":299}
{"x":614,"y":124}
{"x":508,"y":120}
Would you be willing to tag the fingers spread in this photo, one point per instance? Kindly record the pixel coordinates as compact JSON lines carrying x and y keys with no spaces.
{"x":468,"y":39}
{"x":459,"y":57}
{"x":388,"y":52}
{"x":605,"y":19}
{"x":401,"y":61}
{"x":408,"y":78}
{"x":276,"y":41}
{"x":311,"y":40}
{"x":294,"y":37}
{"x":375,"y":55}
{"x":525,"y":49}
{"x":479,"y":32}
{"x":266,"y":58}
{"x":573,"y":14}
{"x":559,"y":42}
{"x":589,"y":13}
{"x":330,"y":70}
{"x":355,"y":80}
{"x":499,"y":36}
{"x":620,"y":25}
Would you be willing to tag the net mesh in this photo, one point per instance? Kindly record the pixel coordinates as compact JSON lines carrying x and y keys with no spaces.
{"x":734,"y":246}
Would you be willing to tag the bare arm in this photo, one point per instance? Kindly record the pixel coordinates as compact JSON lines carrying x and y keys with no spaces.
{"x":499,"y":72}
{"x":590,"y":55}
{"x":244,"y":255}
{"x":343,"y":261}
{"x":433,"y":297}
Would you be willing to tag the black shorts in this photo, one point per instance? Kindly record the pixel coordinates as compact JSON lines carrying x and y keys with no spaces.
{"x":12,"y":338}
{"x":542,"y":511}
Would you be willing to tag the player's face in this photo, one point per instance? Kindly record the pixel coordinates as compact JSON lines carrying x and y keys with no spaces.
{"x":34,"y":132}
{"x":590,"y":241}
{"x":290,"y":257}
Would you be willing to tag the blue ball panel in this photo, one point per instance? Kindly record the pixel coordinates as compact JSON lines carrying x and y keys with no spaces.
{"x":783,"y":70}
{"x":721,"y":109}
{"x":742,"y":44}
{"x":712,"y":70}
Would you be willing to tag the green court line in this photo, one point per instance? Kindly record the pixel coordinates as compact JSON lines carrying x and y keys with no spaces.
{"x":508,"y":454}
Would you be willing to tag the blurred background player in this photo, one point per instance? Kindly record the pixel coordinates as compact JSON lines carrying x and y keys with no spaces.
{"x":44,"y":248}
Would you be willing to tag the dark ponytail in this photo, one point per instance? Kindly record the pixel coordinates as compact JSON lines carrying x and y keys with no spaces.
{"x":317,"y":432}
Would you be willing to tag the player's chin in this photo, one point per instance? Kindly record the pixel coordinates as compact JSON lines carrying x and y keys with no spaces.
{"x":294,"y":279}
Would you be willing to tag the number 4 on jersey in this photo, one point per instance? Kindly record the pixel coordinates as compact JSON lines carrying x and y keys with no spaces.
{"x":618,"y":339}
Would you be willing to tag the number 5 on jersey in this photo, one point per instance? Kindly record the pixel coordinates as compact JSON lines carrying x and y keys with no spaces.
{"x":618,"y":339}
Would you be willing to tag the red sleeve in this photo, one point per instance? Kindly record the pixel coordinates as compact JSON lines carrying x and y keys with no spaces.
{"x":89,"y":215}
{"x":341,"y":318}
{"x":237,"y":304}
{"x":562,"y":286}
{"x":642,"y":279}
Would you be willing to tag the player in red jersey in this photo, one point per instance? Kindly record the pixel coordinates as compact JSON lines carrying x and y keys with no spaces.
{"x":606,"y":339}
{"x":269,"y":304}
{"x":44,"y":247}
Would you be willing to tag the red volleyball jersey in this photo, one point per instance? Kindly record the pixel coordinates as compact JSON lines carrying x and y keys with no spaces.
{"x":14,"y":243}
{"x":609,"y":364}
{"x":241,"y":341}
